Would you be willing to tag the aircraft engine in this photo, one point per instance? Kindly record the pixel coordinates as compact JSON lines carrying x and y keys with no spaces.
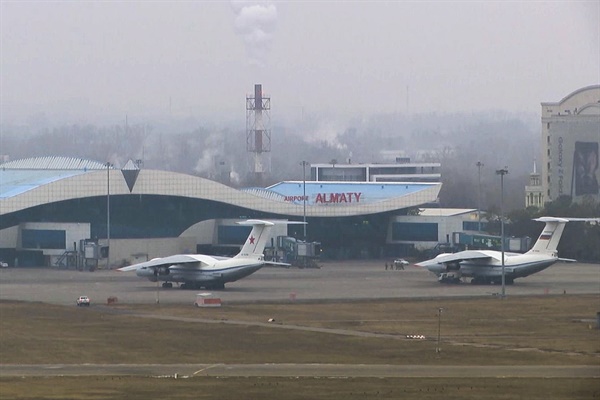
{"x":453,"y":266}
{"x":160,"y":271}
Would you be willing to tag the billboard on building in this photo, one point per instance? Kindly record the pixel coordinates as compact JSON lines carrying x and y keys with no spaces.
{"x":574,"y":165}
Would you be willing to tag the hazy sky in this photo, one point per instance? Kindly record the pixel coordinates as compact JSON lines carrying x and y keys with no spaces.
{"x":89,"y":60}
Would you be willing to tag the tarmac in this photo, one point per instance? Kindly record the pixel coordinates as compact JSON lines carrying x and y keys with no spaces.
{"x":333,"y":281}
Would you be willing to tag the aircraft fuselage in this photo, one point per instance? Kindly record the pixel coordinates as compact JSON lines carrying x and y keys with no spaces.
{"x":515,"y":266}
{"x":213,"y":276}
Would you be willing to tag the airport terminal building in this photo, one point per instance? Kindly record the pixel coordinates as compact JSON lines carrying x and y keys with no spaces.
{"x":52,"y":206}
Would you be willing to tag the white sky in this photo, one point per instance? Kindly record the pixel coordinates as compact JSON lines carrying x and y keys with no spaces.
{"x":91,"y":60}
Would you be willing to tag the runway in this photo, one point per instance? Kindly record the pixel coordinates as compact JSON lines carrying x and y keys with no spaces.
{"x":305,"y":370}
{"x":334,"y":281}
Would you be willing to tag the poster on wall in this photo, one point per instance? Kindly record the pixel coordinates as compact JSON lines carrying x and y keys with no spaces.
{"x":575,"y":164}
{"x":585,"y":169}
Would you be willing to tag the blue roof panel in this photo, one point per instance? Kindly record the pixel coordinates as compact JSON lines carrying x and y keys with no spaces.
{"x":14,"y":182}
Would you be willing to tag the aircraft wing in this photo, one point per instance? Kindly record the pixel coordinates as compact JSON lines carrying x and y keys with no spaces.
{"x":165,"y":261}
{"x":567,"y":260}
{"x":457,"y":257}
{"x":278,"y":264}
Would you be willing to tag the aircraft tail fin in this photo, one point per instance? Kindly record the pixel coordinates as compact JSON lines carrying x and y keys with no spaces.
{"x":550,"y":236}
{"x":255,"y":244}
{"x":256,"y":241}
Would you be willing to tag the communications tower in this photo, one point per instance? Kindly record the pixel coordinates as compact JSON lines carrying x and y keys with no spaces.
{"x":258,"y":133}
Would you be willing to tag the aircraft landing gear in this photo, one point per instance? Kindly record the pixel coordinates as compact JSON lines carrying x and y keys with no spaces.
{"x":167,"y":285}
{"x":449,"y":277}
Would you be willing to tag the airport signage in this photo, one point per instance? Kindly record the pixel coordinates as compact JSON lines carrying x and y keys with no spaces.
{"x":295,"y":198}
{"x":329,"y":198}
{"x":336,"y":198}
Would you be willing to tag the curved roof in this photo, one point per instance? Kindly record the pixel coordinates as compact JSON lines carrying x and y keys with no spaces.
{"x":572,"y":94}
{"x":53,"y":163}
{"x":578,"y":91}
{"x":22,"y":188}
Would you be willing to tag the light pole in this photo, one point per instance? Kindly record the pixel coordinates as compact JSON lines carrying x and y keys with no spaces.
{"x":304,"y":164}
{"x":479,"y":165}
{"x":108,"y":166}
{"x":502,"y":172}
{"x":438,"y":349}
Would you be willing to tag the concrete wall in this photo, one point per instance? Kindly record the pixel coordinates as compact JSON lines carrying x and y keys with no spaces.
{"x":9,"y":238}
{"x":205,"y":232}
{"x":74,"y":232}
{"x":447,"y":225}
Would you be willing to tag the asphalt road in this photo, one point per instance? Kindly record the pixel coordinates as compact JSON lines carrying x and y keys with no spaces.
{"x":355,"y":280}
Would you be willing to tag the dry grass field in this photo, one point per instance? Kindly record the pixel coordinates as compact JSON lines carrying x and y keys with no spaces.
{"x":542,"y":330}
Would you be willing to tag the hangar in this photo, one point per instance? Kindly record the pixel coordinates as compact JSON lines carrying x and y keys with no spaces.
{"x":49,"y":207}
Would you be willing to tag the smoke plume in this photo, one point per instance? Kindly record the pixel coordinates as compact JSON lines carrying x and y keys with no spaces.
{"x":255,"y":22}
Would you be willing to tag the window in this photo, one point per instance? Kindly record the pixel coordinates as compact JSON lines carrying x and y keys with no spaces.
{"x":473,"y":225}
{"x":414,"y":231}
{"x":43,"y":239}
{"x":233,"y":234}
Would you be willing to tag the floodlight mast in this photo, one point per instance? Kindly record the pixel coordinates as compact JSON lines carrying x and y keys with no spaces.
{"x":502,"y":172}
{"x":108,"y":167}
{"x":479,"y":165}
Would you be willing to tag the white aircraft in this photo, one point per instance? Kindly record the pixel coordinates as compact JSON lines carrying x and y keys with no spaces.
{"x":195,"y":271}
{"x":485,"y":266}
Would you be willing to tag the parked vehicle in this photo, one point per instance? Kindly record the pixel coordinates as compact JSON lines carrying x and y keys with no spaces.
{"x":400,"y":263}
{"x":83,"y":301}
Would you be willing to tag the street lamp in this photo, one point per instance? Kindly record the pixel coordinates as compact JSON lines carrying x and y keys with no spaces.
{"x":108,"y":166}
{"x":304,"y":164}
{"x":479,"y":165}
{"x":502,"y":172}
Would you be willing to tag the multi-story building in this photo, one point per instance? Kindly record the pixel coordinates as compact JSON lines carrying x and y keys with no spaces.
{"x":570,"y":145}
{"x":401,"y":171}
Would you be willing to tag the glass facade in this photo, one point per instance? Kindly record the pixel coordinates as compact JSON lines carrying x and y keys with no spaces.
{"x":474,"y":226}
{"x":231,"y":234}
{"x":415,"y":232}
{"x":43,"y":239}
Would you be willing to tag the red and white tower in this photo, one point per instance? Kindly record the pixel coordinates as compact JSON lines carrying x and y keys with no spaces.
{"x":258,"y":133}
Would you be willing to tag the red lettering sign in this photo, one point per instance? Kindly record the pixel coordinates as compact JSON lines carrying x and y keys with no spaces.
{"x":337,"y":198}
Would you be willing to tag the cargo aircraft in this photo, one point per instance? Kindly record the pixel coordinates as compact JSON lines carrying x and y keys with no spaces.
{"x":485,"y":266}
{"x":196,"y":271}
